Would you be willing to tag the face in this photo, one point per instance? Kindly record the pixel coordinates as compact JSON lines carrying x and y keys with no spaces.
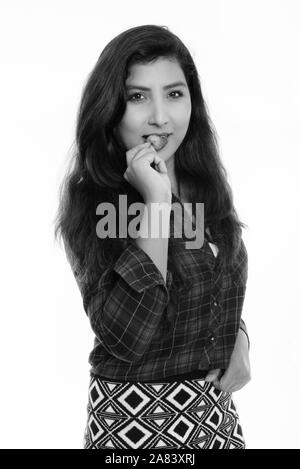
{"x":158,"y":101}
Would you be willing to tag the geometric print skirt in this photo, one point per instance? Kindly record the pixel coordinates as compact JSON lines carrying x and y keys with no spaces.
{"x":191,"y":413}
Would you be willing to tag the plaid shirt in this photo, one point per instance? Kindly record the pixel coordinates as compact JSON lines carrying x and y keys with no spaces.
{"x":142,"y":334}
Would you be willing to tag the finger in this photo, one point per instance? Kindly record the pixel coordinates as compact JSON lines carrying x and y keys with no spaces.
{"x":212,"y":375}
{"x":125,"y":176}
{"x":130,"y":154}
{"x":228,"y":385}
{"x":237,"y":387}
{"x":216,"y":383}
{"x":147,"y":154}
{"x":160,"y":164}
{"x":142,"y":153}
{"x":227,"y":380}
{"x":234,"y":389}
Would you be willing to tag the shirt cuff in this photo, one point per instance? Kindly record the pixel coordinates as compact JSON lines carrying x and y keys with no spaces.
{"x":139,"y":271}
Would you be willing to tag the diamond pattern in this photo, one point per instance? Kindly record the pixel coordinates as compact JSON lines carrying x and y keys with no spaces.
{"x":96,"y":396}
{"x":134,"y":434}
{"x":181,"y":429}
{"x":189,"y":414}
{"x":134,"y":399}
{"x":182,"y":396}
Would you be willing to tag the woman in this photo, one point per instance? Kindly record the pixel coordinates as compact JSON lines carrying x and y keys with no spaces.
{"x":170,"y":344}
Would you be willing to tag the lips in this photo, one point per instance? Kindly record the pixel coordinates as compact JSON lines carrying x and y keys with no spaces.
{"x":158,"y":141}
{"x":164,"y":134}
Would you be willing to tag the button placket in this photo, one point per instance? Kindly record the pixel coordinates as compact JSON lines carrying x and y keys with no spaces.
{"x":215,"y":308}
{"x":215,"y":305}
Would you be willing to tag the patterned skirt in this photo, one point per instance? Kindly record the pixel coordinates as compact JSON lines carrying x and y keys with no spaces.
{"x":187,"y":413}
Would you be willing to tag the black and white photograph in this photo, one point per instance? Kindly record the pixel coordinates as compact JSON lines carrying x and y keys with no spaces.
{"x":150,"y":202}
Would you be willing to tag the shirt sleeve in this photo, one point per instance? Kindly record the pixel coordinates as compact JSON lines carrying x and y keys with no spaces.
{"x":127,"y":304}
{"x":241,"y":273}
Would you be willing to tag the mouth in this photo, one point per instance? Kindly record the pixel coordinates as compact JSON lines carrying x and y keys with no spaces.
{"x":157,"y":140}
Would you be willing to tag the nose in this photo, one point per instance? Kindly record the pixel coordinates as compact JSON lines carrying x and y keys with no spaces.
{"x":158,"y":114}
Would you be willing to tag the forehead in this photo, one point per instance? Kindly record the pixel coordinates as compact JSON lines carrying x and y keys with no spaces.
{"x":161,"y":71}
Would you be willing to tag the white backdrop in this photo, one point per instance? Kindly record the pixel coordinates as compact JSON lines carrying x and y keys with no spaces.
{"x":247,"y":54}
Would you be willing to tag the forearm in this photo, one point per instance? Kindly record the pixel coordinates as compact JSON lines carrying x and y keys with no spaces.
{"x":154,"y":233}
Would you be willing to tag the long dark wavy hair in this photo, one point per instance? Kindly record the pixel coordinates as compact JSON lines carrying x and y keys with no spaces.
{"x":96,"y":171}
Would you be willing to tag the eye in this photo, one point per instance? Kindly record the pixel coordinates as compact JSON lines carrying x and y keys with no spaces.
{"x":135,"y":97}
{"x":178,"y":92}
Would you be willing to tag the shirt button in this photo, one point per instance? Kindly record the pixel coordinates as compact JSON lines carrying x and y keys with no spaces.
{"x":211,"y":337}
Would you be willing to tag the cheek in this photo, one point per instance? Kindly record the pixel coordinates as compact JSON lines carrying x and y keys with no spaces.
{"x":184,"y":114}
{"x":185,"y":119}
{"x":124,"y":128}
{"x":188,"y":112}
{"x":128,"y":130}
{"x":132,"y":119}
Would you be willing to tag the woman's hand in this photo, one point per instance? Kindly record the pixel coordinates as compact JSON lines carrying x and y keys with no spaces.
{"x":238,"y":373}
{"x":153,"y":184}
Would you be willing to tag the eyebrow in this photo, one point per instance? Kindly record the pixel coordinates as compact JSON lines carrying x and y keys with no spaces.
{"x":167,"y":87}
